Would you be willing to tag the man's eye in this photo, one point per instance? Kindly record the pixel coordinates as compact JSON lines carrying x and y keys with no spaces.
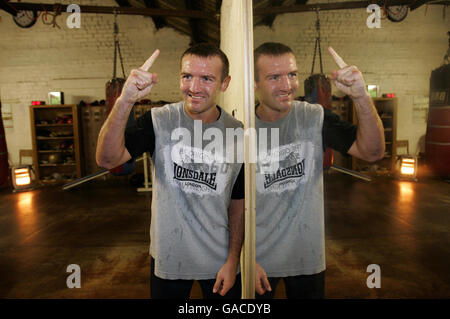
{"x":292,"y":75}
{"x":187,"y":76}
{"x":207,"y":79}
{"x":274,"y":77}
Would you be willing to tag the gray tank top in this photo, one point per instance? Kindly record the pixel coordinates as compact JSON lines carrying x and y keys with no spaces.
{"x":290,"y":237}
{"x":189,"y":222}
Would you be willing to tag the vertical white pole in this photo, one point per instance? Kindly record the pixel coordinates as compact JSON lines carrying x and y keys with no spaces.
{"x":250,"y":151}
{"x":237,"y":43}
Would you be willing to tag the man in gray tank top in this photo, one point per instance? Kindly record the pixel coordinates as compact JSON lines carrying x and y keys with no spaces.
{"x":197,"y":202}
{"x":290,"y":237}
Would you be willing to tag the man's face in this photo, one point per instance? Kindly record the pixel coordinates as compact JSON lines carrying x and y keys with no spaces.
{"x":200,"y":83}
{"x":277,"y":81}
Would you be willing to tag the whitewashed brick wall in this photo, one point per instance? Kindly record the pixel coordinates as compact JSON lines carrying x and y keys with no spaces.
{"x":399,"y":57}
{"x":78,"y":62}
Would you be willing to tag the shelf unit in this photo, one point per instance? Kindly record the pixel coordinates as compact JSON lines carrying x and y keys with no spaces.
{"x":92,"y":119}
{"x":387,"y":110}
{"x":56,"y":143}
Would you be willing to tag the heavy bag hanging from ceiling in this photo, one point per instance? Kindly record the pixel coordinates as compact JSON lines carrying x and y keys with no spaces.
{"x":437,"y":138}
{"x":113,"y":91}
{"x":318,"y":90}
{"x":115,"y":85}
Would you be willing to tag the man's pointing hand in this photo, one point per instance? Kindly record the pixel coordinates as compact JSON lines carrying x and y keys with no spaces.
{"x":140,"y":81}
{"x":348,"y":79}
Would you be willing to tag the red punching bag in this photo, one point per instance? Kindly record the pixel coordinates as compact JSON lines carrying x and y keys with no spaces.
{"x":114,"y":86}
{"x":113,"y":90}
{"x":318,"y":90}
{"x":4,"y":168}
{"x":437,"y":138}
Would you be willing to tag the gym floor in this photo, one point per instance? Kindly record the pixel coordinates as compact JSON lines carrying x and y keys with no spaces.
{"x":103,"y":226}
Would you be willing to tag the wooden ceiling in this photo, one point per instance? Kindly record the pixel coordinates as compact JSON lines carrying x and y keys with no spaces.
{"x":265,"y":11}
{"x":200,"y":19}
{"x":202,"y":30}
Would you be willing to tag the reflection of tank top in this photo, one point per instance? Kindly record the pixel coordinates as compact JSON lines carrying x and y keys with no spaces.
{"x":290,"y":238}
{"x":189,"y":222}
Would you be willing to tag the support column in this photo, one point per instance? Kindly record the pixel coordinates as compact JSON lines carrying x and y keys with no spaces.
{"x":236,"y":36}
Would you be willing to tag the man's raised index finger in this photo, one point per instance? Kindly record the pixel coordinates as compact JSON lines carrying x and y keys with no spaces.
{"x":150,"y":61}
{"x":337,"y":58}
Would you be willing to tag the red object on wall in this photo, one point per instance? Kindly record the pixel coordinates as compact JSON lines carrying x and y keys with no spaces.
{"x":4,"y":167}
{"x":37,"y":102}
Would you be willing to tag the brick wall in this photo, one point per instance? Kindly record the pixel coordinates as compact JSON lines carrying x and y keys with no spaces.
{"x":78,"y":62}
{"x":399,"y":57}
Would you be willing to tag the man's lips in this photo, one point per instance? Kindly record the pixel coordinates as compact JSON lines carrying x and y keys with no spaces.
{"x":195,"y":96}
{"x":284,"y":96}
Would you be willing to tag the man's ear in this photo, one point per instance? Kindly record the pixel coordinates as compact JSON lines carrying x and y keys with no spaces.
{"x":255,"y":80}
{"x":225,"y":83}
{"x":256,"y":86}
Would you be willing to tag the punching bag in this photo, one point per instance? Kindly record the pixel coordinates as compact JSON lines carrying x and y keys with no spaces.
{"x":113,"y":90}
{"x":437,"y":138}
{"x":4,"y":168}
{"x":318,"y":91}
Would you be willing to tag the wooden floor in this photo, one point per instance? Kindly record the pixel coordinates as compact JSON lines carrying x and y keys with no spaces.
{"x":404,"y":227}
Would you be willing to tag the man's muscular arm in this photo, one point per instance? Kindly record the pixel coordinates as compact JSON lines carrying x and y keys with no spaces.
{"x":111,"y":150}
{"x":227,"y":274}
{"x":369,"y":144}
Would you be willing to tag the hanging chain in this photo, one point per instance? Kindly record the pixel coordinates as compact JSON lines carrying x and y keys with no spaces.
{"x":314,"y":57}
{"x":121,"y":60}
{"x":317,"y":45}
{"x":115,"y":43}
{"x":117,"y":47}
{"x":318,"y":39}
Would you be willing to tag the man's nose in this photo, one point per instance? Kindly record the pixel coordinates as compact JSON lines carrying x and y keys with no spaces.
{"x":195,"y":84}
{"x":285,"y":83}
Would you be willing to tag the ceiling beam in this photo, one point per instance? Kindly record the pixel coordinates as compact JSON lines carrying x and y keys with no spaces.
{"x":158,"y":21}
{"x":5,"y":5}
{"x":418,"y":3}
{"x":123,"y":3}
{"x":151,"y":12}
{"x":218,"y":5}
{"x":196,"y":36}
{"x":268,"y":19}
{"x":329,"y":6}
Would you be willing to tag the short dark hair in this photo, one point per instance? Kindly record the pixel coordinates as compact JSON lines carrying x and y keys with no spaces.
{"x":269,"y":48}
{"x":206,"y":50}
